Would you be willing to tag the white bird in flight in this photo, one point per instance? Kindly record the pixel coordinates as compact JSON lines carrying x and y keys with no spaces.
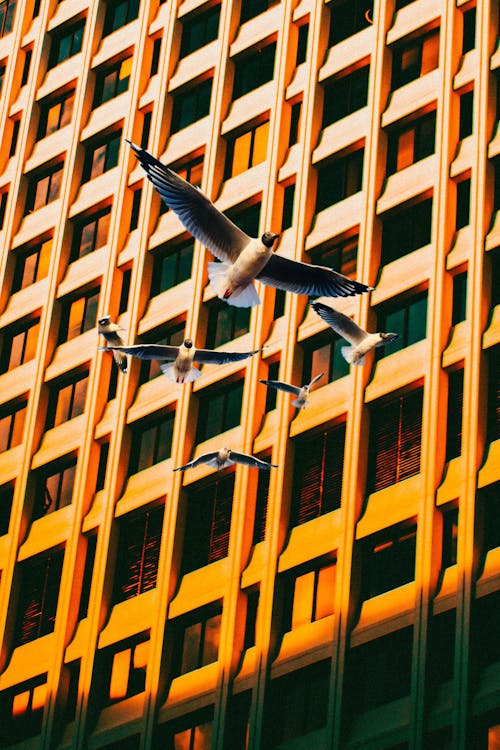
{"x":226,"y":457}
{"x":302,"y":393}
{"x":181,"y":369}
{"x":361,"y":341}
{"x":243,"y":258}
{"x":110,"y":332}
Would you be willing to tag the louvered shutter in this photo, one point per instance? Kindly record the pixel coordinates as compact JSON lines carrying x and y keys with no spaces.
{"x":333,"y":442}
{"x":38,"y":599}
{"x":307,"y":485}
{"x":221,"y":519}
{"x":151,"y":554}
{"x":454,"y":419}
{"x":383,"y":446}
{"x":494,"y":394}
{"x":259,"y":529}
{"x":410,"y":434}
{"x":128,"y":564}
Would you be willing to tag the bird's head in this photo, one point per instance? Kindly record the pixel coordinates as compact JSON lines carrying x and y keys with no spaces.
{"x":388,"y":337}
{"x":104,"y":320}
{"x":269,"y":238}
{"x":188,"y":343}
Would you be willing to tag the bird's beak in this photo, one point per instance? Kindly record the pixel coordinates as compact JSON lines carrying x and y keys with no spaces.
{"x":390,"y":337}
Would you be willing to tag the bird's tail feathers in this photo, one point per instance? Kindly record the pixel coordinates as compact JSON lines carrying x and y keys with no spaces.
{"x":349,"y":354}
{"x":169,"y":371}
{"x":244,"y":297}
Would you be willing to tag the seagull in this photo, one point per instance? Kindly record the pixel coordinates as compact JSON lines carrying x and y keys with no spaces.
{"x":242,"y":258}
{"x":226,"y":457}
{"x":110,"y":332}
{"x":181,"y":369}
{"x":362,"y":342}
{"x":302,"y":393}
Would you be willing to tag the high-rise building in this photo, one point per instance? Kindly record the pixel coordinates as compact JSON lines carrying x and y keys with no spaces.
{"x":349,"y":598}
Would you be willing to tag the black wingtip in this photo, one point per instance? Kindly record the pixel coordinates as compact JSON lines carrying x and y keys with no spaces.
{"x":133,"y":146}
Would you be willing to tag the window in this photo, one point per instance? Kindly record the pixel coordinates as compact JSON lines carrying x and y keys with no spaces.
{"x":14,"y":138}
{"x":12,"y":417}
{"x":199,"y":30}
{"x":248,"y":219}
{"x":459,"y":310}
{"x":294,"y":124}
{"x":118,"y":14}
{"x":67,"y":399}
{"x":462,"y":216}
{"x":296,"y":704}
{"x":191,"y":105}
{"x":125,"y":290}
{"x":489,"y":497}
{"x":347,"y":17}
{"x":254,"y":70}
{"x":112,"y":81}
{"x":3,"y":206}
{"x":311,"y":596}
{"x":343,"y":96}
{"x":339,"y":179}
{"x":87,"y":576}
{"x":466,"y":114}
{"x":302,"y":44}
{"x":6,"y":500}
{"x":199,"y":641}
{"x":339,"y":255}
{"x":102,"y":466}
{"x":125,"y":668}
{"x":251,"y":619}
{"x":37,"y":604}
{"x":288,"y":203}
{"x":191,"y":170}
{"x":155,"y":60}
{"x":450,"y":538}
{"x":322,"y":354}
{"x":54,"y":487}
{"x":43,"y":188}
{"x":469,"y":31}
{"x":138,"y":554}
{"x":208,"y":522}
{"x":173,"y":336}
{"x":101,"y":156}
{"x":78,"y":316}
{"x":246,"y":150}
{"x":192,"y":732}
{"x":252,"y":8}
{"x":136,"y":206}
{"x":219,"y":411}
{"x":90,"y":233}
{"x":454,"y":421}
{"x":31,"y":265}
{"x":273,"y":372}
{"x":172,"y":266}
{"x":151,"y":442}
{"x":66,"y":43}
{"x":406,"y":231}
{"x":22,"y":710}
{"x":395,"y":440}
{"x":388,"y":559}
{"x":411,"y":143}
{"x":237,"y":720}
{"x":7,"y":9}
{"x":378,"y":672}
{"x":317,"y":485}
{"x":18,"y":344}
{"x":494,"y":393}
{"x":485,"y":624}
{"x":146,"y":129}
{"x":26,"y":67}
{"x":415,"y":58}
{"x":408,"y":320}
{"x":279,"y":303}
{"x":55,"y":113}
{"x":225,"y":323}
{"x":261,"y":501}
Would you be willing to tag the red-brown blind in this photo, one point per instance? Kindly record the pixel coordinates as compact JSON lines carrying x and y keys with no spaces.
{"x":494,"y":394}
{"x":259,"y":529}
{"x":138,"y":554}
{"x":41,"y":577}
{"x":454,"y":419}
{"x":221,"y":519}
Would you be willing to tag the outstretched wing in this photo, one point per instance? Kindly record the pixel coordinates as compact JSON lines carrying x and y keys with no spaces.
{"x":315,"y":380}
{"x":148,"y":351}
{"x":280,"y":386}
{"x":305,"y":278}
{"x":341,"y":324}
{"x":208,"y":356}
{"x":197,"y":213}
{"x":206,"y":458}
{"x":243,"y":458}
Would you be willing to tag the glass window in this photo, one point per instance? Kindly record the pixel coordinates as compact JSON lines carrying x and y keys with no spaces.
{"x":199,"y":642}
{"x":12,"y":418}
{"x":248,"y":219}
{"x":253,"y":70}
{"x":469,"y":31}
{"x":172,"y":265}
{"x":406,"y":231}
{"x":43,"y":188}
{"x":87,"y":576}
{"x":66,"y":400}
{"x":317,"y":486}
{"x":66,"y":43}
{"x":112,"y":81}
{"x":339,"y":179}
{"x":302,"y":44}
{"x":409,"y":144}
{"x":343,"y":96}
{"x":155,"y":60}
{"x":192,"y":732}
{"x":208,"y":522}
{"x":18,"y":344}
{"x":14,"y":137}
{"x":90,"y":233}
{"x":466,"y":114}
{"x":191,"y":105}
{"x":388,"y":560}
{"x":408,"y":320}
{"x":79,"y":315}
{"x":36,"y":611}
{"x":136,"y":206}
{"x":311,"y":596}
{"x":199,"y":30}
{"x":7,"y":9}
{"x":494,"y":393}
{"x":450,"y":538}
{"x":151,"y":442}
{"x":294,"y":123}
{"x":26,"y":67}
{"x":340,"y":255}
{"x":395,"y":440}
{"x":125,"y":668}
{"x":490,"y":498}
{"x":288,"y":204}
{"x":118,"y":14}
{"x":4,"y":196}
{"x":415,"y":58}
{"x":55,"y":113}
{"x":322,"y":354}
{"x":6,"y":500}
{"x":459,"y":310}
{"x":259,"y":528}
{"x":219,"y":411}
{"x":462,"y":217}
{"x":138,"y":554}
{"x":101,"y":156}
{"x":172,"y":335}
{"x":22,"y":710}
{"x":31,"y":265}
{"x":54,"y":487}
{"x":347,"y":17}
{"x":252,"y":8}
{"x":225,"y":323}
{"x":454,"y":420}
{"x":246,"y":150}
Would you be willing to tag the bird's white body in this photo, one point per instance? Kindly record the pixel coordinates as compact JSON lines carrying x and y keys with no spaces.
{"x":110,"y":331}
{"x":182,"y":370}
{"x":303,"y":398}
{"x":226,"y":457}
{"x":356,"y":355}
{"x":234,"y":282}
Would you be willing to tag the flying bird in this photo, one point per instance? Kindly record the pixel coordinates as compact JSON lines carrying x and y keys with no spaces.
{"x":242,"y":258}
{"x":181,"y":369}
{"x":110,"y":332}
{"x":302,"y":392}
{"x":361,"y":341}
{"x":226,"y":457}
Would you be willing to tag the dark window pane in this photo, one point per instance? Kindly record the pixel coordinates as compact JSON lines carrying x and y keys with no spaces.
{"x":254,"y":70}
{"x":208,"y":523}
{"x":459,"y":311}
{"x":138,"y":554}
{"x":339,"y":179}
{"x":191,"y":105}
{"x":345,"y":95}
{"x":36,"y":612}
{"x":406,"y":231}
{"x":200,"y":30}
{"x":388,"y":560}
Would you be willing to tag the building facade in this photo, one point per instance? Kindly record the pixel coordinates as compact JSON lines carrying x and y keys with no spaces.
{"x":349,"y":598}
